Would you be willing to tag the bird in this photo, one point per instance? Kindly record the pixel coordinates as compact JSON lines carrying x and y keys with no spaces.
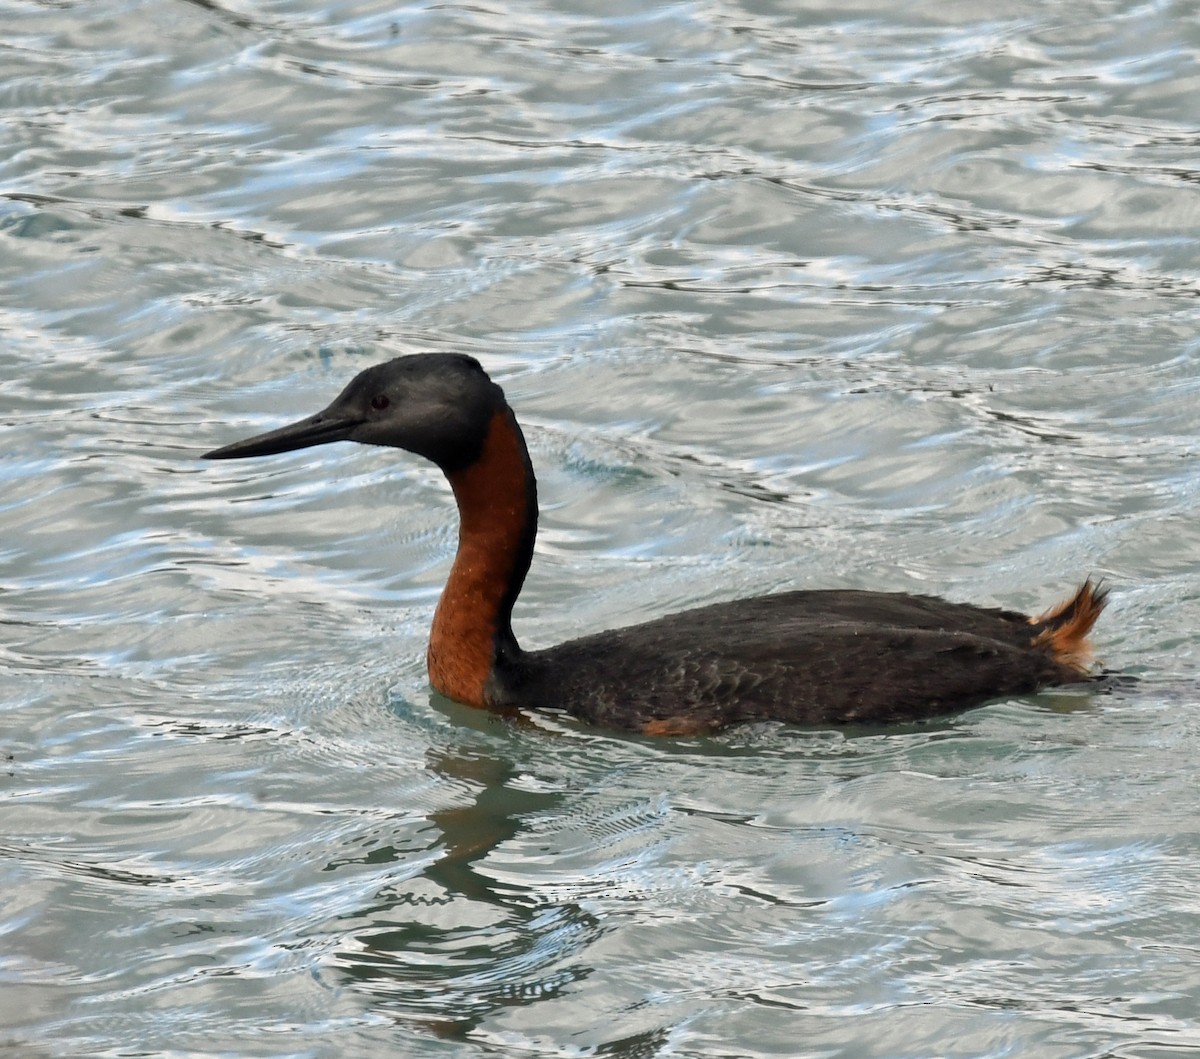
{"x":813,"y":657}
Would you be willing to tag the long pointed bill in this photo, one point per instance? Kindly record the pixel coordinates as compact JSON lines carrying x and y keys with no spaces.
{"x":315,"y":430}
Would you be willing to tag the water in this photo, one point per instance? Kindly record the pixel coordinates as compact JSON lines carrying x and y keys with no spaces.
{"x":785,"y":295}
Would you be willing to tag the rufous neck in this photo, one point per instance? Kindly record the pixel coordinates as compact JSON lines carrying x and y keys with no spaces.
{"x":497,"y":510}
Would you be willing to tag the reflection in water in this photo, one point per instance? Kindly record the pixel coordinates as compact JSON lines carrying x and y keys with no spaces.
{"x":448,"y":948}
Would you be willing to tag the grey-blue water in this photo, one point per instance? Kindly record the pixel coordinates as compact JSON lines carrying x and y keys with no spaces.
{"x":786,"y":295}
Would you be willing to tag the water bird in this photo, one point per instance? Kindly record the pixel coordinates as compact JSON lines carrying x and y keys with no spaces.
{"x":813,"y":657}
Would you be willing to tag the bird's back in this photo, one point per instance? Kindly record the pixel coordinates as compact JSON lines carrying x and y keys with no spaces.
{"x":813,"y":657}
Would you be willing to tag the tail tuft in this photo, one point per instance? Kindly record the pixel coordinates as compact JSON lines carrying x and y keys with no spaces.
{"x":1062,"y":631}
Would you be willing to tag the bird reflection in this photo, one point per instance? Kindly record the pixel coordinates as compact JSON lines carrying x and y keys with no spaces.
{"x":448,"y":947}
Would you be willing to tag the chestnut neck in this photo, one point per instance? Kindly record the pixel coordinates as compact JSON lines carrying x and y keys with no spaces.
{"x":497,"y":509}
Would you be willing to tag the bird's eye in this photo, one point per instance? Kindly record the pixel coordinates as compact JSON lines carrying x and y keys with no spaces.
{"x":380,"y":401}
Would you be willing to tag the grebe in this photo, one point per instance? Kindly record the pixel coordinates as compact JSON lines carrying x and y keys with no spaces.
{"x":809,"y":657}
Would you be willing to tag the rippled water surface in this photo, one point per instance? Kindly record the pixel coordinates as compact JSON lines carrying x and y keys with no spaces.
{"x":786,"y":295}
